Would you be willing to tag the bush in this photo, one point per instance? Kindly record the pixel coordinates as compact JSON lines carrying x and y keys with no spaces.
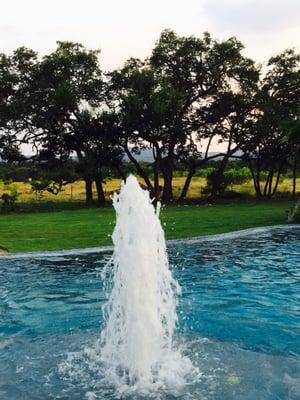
{"x":9,"y":200}
{"x":205,"y":172}
{"x":237,"y":176}
{"x":232,"y":176}
{"x":38,"y":188}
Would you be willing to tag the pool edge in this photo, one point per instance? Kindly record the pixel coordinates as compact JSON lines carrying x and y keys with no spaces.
{"x":194,"y":239}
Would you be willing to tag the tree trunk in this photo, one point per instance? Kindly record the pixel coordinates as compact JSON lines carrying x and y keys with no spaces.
{"x":258,"y":181}
{"x":100,"y":191}
{"x":140,"y":171}
{"x":270,"y":194}
{"x":167,"y":169}
{"x":255,"y":183}
{"x":216,"y":183}
{"x":277,"y":180}
{"x":167,"y":190}
{"x":88,"y":191}
{"x":218,"y":175}
{"x":121,"y":172}
{"x":187,"y":184}
{"x":294,"y":178}
{"x":192,"y":170}
{"x":267,"y":185}
{"x":156,"y":178}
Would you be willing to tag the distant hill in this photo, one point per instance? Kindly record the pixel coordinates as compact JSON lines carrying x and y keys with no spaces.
{"x":147,"y":155}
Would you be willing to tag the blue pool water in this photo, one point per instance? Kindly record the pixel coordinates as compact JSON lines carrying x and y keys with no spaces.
{"x":239,"y":320}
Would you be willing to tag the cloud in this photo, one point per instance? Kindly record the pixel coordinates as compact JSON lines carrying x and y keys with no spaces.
{"x":253,"y":16}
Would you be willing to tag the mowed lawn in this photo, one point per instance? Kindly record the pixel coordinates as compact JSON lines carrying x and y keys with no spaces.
{"x":93,"y":227}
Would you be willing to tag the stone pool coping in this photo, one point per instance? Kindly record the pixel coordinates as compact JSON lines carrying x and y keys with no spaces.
{"x":196,"y":239}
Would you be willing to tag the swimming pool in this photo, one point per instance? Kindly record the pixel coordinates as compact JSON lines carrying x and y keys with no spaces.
{"x":239,"y":320}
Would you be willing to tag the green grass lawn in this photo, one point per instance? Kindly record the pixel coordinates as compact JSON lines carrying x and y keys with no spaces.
{"x":92,"y":227}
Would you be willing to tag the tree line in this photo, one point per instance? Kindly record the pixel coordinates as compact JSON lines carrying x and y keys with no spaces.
{"x":189,"y":92}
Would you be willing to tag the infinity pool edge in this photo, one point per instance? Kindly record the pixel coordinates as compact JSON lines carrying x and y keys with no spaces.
{"x":194,"y":239}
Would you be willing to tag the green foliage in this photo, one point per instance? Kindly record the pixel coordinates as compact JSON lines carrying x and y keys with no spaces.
{"x":39,"y":187}
{"x":51,"y":176}
{"x":237,"y":176}
{"x":16,"y":172}
{"x":175,"y":103}
{"x":277,"y":100}
{"x":232,"y":176}
{"x":205,"y":172}
{"x":9,"y":200}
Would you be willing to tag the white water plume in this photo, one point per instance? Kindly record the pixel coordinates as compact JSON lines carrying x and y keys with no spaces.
{"x":137,"y":341}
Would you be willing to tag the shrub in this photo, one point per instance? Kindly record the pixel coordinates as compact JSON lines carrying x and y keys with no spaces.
{"x":9,"y":200}
{"x":236,"y":176}
{"x":39,"y":187}
{"x":232,"y":176}
{"x":205,"y":172}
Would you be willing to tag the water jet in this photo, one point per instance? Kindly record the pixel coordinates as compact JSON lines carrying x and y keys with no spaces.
{"x":141,"y":311}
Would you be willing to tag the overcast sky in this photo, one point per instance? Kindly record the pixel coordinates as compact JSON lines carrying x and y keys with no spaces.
{"x":125,"y":28}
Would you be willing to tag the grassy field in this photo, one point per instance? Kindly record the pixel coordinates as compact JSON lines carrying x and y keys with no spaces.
{"x":93,"y":227}
{"x":76,"y":192}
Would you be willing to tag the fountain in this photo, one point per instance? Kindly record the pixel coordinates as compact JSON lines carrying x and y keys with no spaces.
{"x":237,"y":334}
{"x":137,"y":343}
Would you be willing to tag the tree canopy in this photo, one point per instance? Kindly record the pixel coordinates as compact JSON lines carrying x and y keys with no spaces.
{"x":189,"y":92}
